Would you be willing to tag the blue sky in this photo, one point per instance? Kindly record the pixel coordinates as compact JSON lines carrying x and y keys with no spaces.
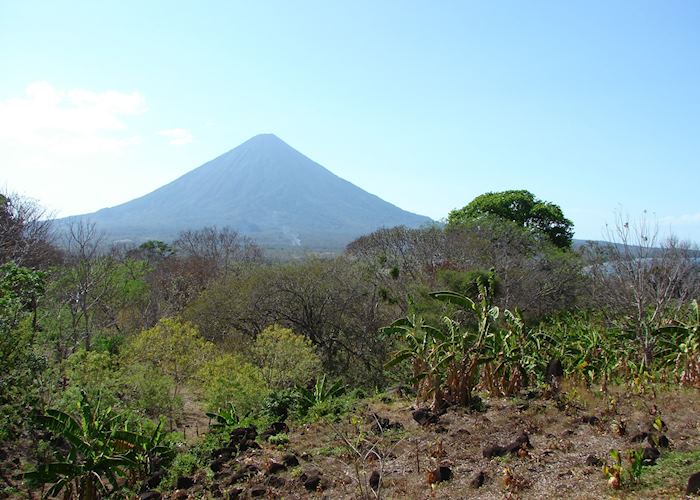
{"x":592,"y":105}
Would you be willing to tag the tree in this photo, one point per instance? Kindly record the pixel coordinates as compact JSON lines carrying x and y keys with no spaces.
{"x":175,"y":349}
{"x":286,"y":358}
{"x":644,"y":280}
{"x":25,"y":233}
{"x":521,"y":207}
{"x":230,"y":379}
{"x":21,"y":367}
{"x":86,"y":279}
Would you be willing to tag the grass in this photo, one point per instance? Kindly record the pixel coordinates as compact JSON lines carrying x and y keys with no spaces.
{"x":669,"y":476}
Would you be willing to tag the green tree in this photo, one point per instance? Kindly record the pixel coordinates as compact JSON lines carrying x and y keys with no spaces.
{"x":229,"y":379}
{"x":174,"y":348}
{"x":286,"y":358}
{"x":521,"y":207}
{"x":21,"y":369}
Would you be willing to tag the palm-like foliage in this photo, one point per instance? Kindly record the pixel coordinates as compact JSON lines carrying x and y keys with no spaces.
{"x":679,"y":346}
{"x":100,"y":451}
{"x":321,"y":392}
{"x":446,"y":362}
{"x":226,"y":418}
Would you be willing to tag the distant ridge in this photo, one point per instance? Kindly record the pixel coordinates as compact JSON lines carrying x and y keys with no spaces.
{"x":263,"y":188}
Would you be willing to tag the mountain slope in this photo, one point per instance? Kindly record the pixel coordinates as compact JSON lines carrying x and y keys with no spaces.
{"x":263,"y":188}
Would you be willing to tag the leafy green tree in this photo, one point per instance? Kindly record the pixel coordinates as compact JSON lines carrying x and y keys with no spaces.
{"x":174,"y":348}
{"x":20,"y":367}
{"x":286,"y":358}
{"x":521,"y":207}
{"x":229,"y":379}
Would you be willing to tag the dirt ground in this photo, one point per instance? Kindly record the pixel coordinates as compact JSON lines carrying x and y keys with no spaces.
{"x":571,"y":435}
{"x":567,"y":434}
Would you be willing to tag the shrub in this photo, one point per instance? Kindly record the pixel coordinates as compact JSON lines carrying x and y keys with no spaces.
{"x":286,"y":358}
{"x":174,"y":348}
{"x":95,"y":373}
{"x":279,"y":404}
{"x":150,"y":393}
{"x":230,"y":379}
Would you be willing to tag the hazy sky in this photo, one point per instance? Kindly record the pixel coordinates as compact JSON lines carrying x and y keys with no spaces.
{"x":593,"y":105}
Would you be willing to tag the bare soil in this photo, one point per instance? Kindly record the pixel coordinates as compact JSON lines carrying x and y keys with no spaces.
{"x":571,"y":435}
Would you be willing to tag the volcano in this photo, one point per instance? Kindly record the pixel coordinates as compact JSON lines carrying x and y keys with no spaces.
{"x":264,"y":189}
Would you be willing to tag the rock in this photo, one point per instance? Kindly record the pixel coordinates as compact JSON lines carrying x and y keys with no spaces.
{"x":478,"y":480}
{"x":374,"y":480}
{"x":424,"y":416}
{"x":290,"y":460}
{"x":593,"y":461}
{"x":234,"y":478}
{"x":184,"y":483}
{"x":224,"y":453}
{"x":251,"y":469}
{"x":693,"y":487}
{"x":311,"y":479}
{"x":258,"y":491}
{"x":274,"y":429}
{"x":234,"y":493}
{"x":639,"y":437}
{"x":590,"y":420}
{"x":217,"y":465}
{"x":243,"y":439}
{"x":275,"y":481}
{"x":150,"y":495}
{"x":650,"y":455}
{"x":521,"y":442}
{"x":439,"y":474}
{"x":273,"y":467}
{"x":241,"y":474}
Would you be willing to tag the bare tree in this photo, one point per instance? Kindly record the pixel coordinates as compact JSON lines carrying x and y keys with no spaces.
{"x":25,"y":233}
{"x":87,"y":278}
{"x":218,"y":247}
{"x":644,"y":279}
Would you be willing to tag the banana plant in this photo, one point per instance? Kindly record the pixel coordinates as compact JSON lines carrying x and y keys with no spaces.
{"x":99,"y":453}
{"x":679,"y":346}
{"x":226,"y":418}
{"x":446,"y":361}
{"x":422,"y":346}
{"x":321,"y":392}
{"x":467,"y":345}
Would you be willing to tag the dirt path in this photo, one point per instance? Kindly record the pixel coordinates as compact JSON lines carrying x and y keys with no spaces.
{"x":194,"y":423}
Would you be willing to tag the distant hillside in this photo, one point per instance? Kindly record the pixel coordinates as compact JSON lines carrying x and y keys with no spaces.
{"x":263,"y":188}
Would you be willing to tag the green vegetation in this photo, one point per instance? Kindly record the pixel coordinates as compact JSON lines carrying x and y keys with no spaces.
{"x":99,"y":346}
{"x":670,"y":475}
{"x":522,"y":208}
{"x":101,"y":449}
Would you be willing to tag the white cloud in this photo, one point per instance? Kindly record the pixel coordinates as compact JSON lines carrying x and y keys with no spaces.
{"x":685,"y":219}
{"x":69,"y":122}
{"x":177,"y":136}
